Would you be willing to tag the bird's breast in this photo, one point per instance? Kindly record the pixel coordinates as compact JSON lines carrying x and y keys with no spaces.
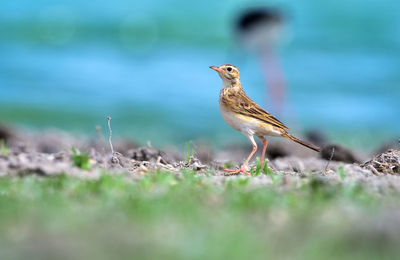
{"x":230,"y":117}
{"x":239,"y":122}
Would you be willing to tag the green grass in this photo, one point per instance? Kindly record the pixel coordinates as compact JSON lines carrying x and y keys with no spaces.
{"x":80,"y":160}
{"x":265,"y":169}
{"x":341,"y":173}
{"x":163,"y":216}
{"x":189,"y":150}
{"x":4,"y":150}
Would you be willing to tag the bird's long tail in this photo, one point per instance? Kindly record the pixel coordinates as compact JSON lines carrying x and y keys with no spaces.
{"x":311,"y":146}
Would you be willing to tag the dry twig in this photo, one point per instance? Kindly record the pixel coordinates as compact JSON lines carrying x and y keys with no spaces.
{"x":114,"y":158}
{"x":330,"y":159}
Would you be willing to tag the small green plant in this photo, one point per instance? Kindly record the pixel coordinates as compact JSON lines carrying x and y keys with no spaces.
{"x":252,"y":172}
{"x":258,"y":167}
{"x":189,"y":150}
{"x":257,"y":170}
{"x":229,"y":164}
{"x":276,"y":178}
{"x":341,"y":173}
{"x":3,"y":148}
{"x":266,"y":169}
{"x":81,"y":160}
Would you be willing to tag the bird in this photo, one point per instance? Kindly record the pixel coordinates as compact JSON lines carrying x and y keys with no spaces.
{"x":243,"y":114}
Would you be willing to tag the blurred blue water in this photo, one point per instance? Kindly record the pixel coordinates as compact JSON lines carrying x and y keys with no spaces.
{"x":146,"y":64}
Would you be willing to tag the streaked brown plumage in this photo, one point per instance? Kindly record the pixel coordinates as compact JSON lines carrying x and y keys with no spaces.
{"x":243,"y":114}
{"x":237,"y":100}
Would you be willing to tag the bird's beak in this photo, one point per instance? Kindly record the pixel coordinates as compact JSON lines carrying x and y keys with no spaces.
{"x":216,"y":68}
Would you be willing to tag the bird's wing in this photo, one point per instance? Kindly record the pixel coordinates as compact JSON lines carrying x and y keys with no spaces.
{"x":242,"y":104}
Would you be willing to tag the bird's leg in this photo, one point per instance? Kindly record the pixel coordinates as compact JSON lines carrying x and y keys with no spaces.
{"x":265,"y":142}
{"x":243,"y":167}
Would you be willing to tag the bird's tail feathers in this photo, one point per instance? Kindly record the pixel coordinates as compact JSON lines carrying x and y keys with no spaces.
{"x":311,"y":146}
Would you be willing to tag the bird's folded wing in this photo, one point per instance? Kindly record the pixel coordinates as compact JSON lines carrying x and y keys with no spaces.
{"x":245,"y":106}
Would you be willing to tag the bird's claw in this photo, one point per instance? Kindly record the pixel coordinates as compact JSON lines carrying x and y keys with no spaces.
{"x":238,"y":171}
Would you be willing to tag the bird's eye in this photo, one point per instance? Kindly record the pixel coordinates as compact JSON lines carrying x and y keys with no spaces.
{"x":229,"y":69}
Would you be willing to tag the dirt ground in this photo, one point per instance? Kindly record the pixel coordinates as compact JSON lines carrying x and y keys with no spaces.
{"x":49,"y":153}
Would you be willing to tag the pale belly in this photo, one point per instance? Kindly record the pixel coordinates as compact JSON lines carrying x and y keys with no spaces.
{"x":248,"y":125}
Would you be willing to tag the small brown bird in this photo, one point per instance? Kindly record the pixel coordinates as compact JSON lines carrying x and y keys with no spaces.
{"x":243,"y":114}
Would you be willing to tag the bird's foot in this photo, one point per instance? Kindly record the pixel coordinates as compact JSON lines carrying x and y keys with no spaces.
{"x":238,"y":171}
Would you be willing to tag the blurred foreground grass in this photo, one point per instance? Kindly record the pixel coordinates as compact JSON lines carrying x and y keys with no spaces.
{"x":164,"y":216}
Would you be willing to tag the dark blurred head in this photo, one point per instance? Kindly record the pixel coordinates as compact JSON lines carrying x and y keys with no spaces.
{"x":259,"y":27}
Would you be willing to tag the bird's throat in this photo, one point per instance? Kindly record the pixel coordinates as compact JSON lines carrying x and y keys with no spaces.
{"x":231,"y":83}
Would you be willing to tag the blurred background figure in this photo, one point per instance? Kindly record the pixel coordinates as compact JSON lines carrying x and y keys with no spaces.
{"x":261,"y":30}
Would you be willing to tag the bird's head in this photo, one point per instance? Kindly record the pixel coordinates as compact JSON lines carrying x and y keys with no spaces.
{"x":228,"y":73}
